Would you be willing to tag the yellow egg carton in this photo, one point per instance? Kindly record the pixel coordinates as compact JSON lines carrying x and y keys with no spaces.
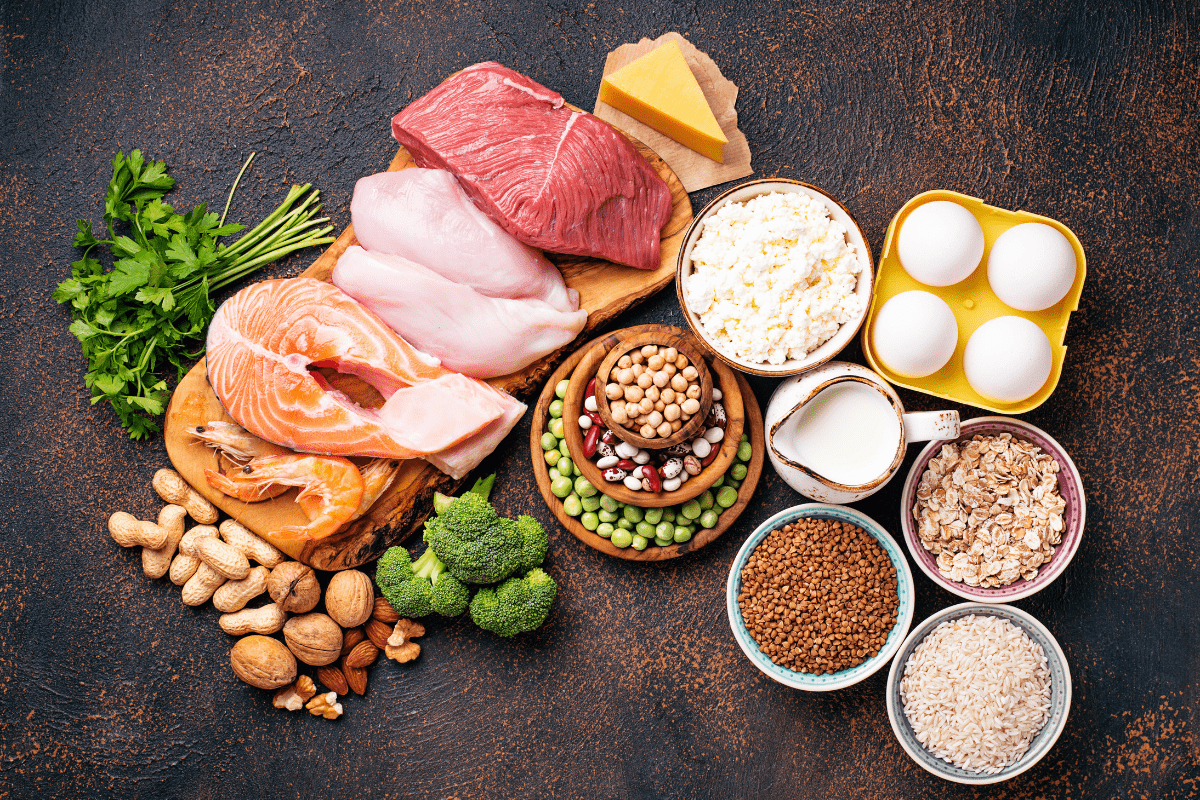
{"x":973,"y":303}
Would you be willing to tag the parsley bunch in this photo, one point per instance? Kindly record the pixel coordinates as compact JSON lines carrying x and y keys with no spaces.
{"x":146,"y":318}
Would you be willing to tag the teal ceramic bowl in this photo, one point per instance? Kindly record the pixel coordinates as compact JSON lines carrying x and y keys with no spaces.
{"x":847,"y":677}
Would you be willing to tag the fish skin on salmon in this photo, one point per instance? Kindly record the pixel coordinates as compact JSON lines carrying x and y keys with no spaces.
{"x":263,"y":341}
{"x":557,"y":179}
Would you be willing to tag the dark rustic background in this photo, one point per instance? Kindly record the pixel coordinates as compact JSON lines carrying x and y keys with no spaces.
{"x":635,"y":689}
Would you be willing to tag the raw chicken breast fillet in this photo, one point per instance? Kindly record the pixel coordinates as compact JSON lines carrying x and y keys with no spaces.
{"x":556,"y":179}
{"x":424,"y":215}
{"x":469,"y":332}
{"x":263,"y":341}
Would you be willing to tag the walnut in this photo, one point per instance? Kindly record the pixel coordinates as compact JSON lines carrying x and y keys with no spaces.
{"x":294,"y":587}
{"x":400,"y":647}
{"x":295,"y":696}
{"x":325,"y":705}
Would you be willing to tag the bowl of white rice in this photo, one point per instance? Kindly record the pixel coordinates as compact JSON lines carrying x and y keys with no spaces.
{"x":978,"y":693}
{"x":775,"y":277}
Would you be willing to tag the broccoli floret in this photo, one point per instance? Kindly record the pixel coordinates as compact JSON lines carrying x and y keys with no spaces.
{"x":476,"y":544}
{"x":515,"y":606}
{"x":482,"y":487}
{"x":534,"y":543}
{"x":421,"y":588}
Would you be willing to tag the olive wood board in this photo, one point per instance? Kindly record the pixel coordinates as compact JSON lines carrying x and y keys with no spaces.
{"x":541,"y":471}
{"x":605,"y":291}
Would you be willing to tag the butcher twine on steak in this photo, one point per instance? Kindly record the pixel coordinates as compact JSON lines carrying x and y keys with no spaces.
{"x":554,"y":178}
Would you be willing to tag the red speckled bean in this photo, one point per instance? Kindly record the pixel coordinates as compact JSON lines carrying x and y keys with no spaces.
{"x":650,"y":476}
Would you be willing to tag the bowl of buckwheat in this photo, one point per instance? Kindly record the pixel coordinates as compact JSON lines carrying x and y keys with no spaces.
{"x":819,"y":597}
{"x":996,"y":514}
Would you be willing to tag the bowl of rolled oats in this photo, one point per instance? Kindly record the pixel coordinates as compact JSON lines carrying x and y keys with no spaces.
{"x":996,"y":514}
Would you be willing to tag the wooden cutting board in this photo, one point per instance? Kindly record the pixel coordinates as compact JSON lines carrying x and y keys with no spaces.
{"x":605,"y":290}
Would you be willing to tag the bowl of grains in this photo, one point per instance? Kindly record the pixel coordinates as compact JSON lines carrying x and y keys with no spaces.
{"x":819,"y":597}
{"x":978,"y":693}
{"x":775,"y":277}
{"x":996,"y":514}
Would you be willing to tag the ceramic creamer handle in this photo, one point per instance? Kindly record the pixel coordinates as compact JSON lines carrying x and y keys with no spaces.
{"x":924,"y":426}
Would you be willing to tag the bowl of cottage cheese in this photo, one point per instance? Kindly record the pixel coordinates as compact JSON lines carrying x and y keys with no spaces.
{"x":775,"y":277}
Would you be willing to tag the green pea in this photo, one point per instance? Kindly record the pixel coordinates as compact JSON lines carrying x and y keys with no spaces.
{"x":738,"y":472}
{"x":560,"y":389}
{"x":566,"y":466}
{"x":584,"y":487}
{"x":644,"y":528}
{"x":744,"y":451}
{"x":562,"y":447}
{"x":609,"y":503}
{"x":552,"y":457}
{"x":719,"y":482}
{"x":732,"y":483}
{"x":556,"y":408}
{"x":590,"y":503}
{"x":573,"y":506}
{"x":707,"y":500}
{"x":633,"y":513}
{"x":709,"y":519}
{"x":605,"y":529}
{"x":622,"y":538}
{"x":606,"y":515}
{"x":640,"y":542}
{"x":589,"y":520}
{"x":555,"y":426}
{"x":654,"y":515}
{"x":669,"y":514}
{"x":664,"y":542}
{"x":664,"y":530}
{"x":560,"y":486}
{"x":690,"y":527}
{"x":726,"y":497}
{"x":691,"y":509}
{"x":745,"y":438}
{"x":549,"y":441}
{"x":682,"y":535}
{"x":624,"y":524}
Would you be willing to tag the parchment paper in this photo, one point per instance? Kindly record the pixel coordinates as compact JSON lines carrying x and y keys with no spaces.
{"x":694,"y":170}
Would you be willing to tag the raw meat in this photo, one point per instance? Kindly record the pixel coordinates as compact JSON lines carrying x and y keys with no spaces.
{"x":424,"y":215}
{"x":263,"y":341}
{"x":556,"y":179}
{"x":470,"y":333}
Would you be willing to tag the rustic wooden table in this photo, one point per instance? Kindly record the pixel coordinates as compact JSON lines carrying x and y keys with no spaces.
{"x":635,"y":688}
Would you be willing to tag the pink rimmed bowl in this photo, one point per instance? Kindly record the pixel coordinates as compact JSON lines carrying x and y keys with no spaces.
{"x":1070,"y":486}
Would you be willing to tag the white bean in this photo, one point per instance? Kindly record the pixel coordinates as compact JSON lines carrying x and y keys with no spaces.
{"x":717,"y":394}
{"x":607,"y":461}
{"x":590,"y":402}
{"x":633,"y":483}
{"x":671,"y":484}
{"x":714,"y":435}
{"x":701,"y":448}
{"x":627,"y":450}
{"x":640,"y":457}
{"x":585,"y":422}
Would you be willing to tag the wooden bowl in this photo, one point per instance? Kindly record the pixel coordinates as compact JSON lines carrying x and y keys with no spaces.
{"x":573,"y":407}
{"x":667,"y":336}
{"x":541,"y":471}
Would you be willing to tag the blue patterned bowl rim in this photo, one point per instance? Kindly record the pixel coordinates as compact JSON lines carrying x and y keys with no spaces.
{"x":1060,"y":694}
{"x":847,"y":677}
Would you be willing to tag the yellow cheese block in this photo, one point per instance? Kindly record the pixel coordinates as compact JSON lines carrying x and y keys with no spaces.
{"x":660,"y":90}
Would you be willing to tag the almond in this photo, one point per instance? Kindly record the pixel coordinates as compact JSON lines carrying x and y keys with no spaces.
{"x":384,"y":612}
{"x":356,"y":678}
{"x":351,"y":638}
{"x":333,"y":679}
{"x":378,"y":633}
{"x":361,"y":655}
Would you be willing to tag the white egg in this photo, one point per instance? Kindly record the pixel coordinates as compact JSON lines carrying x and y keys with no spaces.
{"x":1031,"y":266}
{"x":940,"y":243}
{"x":1007,"y":359}
{"x":914,"y":334}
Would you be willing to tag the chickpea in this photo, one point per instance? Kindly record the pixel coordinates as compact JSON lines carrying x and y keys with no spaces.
{"x":660,"y":406}
{"x":654,"y":418}
{"x":664,"y":430}
{"x":676,"y":425}
{"x":645,"y":380}
{"x":670,"y":369}
{"x":625,"y":377}
{"x":671,"y":354}
{"x":613,"y":390}
{"x":679,"y":383}
{"x":618,"y":415}
{"x":661,"y":379}
{"x":682,"y":361}
{"x":693,"y":392}
{"x":690,"y":373}
{"x":638,"y":369}
{"x":641,"y":419}
{"x":652,"y":392}
{"x":624,"y":362}
{"x":671,"y":412}
{"x":647,"y":405}
{"x":647,"y":432}
{"x":656,"y":362}
{"x":668,"y":395}
{"x":634,"y":394}
{"x":649,"y":350}
{"x":637,"y":357}
{"x":690,"y":406}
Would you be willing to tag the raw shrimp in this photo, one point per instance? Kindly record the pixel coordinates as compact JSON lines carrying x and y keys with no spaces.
{"x":377,"y":476}
{"x":240,"y":445}
{"x":331,"y":488}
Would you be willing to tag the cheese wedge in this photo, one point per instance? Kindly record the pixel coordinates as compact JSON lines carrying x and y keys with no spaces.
{"x":660,"y":90}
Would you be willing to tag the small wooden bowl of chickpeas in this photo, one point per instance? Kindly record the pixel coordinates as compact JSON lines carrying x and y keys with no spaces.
{"x":654,"y":390}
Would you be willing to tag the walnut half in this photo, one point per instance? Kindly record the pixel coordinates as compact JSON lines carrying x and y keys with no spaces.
{"x":325,"y":705}
{"x":400,"y":647}
{"x":294,"y":697}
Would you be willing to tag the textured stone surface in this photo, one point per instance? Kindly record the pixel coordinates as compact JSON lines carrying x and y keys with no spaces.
{"x":635,"y":688}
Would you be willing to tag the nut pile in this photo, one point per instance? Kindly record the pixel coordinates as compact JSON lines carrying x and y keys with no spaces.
{"x":653,"y":391}
{"x":819,"y":596}
{"x":990,"y":510}
{"x":213,"y":563}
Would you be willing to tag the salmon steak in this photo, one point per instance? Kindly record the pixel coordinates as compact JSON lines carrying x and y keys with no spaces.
{"x":266,"y":341}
